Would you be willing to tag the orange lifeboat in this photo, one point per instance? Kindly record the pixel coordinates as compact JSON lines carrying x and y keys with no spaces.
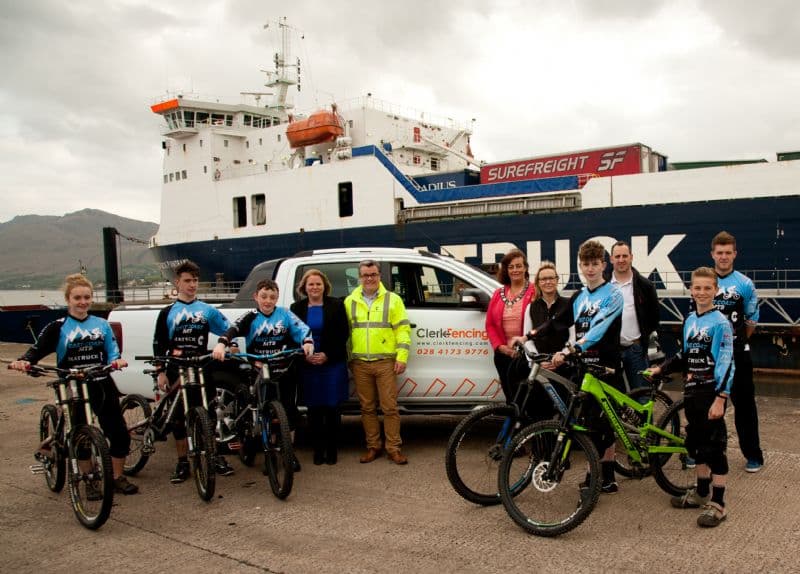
{"x":321,"y":126}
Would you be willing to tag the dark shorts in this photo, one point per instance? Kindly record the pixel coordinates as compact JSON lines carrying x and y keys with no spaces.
{"x":705,"y":439}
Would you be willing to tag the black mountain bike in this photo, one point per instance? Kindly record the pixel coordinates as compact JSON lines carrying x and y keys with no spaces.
{"x":147,"y":425}
{"x":255,"y":414}
{"x":73,"y":448}
{"x":476,"y":445}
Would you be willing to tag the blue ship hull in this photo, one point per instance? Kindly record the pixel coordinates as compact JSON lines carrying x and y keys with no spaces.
{"x":767,"y":231}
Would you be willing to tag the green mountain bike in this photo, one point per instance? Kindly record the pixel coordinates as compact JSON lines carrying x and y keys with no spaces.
{"x":549,"y":477}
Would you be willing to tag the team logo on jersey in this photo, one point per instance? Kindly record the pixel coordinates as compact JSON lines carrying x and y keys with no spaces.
{"x":185,"y":316}
{"x":588,"y":308}
{"x":83,"y":334}
{"x":728,"y":293}
{"x":267,"y":327}
{"x":698,"y":334}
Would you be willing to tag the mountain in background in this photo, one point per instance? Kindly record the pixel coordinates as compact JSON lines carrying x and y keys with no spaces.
{"x":38,"y":251}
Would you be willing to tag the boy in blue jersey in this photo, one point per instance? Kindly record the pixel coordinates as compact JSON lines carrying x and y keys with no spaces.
{"x":269,"y":329}
{"x":597,"y":309}
{"x":736,"y":299}
{"x":82,"y":340}
{"x":182,"y":329}
{"x":706,"y":360}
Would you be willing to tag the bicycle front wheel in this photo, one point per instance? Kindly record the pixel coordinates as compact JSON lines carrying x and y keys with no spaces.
{"x":135,"y":410}
{"x":202,"y":450}
{"x":670,"y":470}
{"x":278,"y":451}
{"x":53,"y":461}
{"x":622,"y":463}
{"x":549,"y":501}
{"x":91,"y":478}
{"x":474,"y":452}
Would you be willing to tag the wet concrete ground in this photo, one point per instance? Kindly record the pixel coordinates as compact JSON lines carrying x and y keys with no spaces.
{"x":384,"y":518}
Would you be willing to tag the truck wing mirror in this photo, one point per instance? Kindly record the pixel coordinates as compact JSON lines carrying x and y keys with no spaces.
{"x":474,"y":298}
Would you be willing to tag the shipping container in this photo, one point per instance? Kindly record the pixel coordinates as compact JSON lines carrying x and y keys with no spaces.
{"x":619,"y":160}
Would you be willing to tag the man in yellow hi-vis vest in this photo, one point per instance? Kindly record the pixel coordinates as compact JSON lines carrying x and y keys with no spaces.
{"x":380,"y":337}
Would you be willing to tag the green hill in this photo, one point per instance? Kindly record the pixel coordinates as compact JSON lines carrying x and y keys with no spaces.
{"x":40,"y":250}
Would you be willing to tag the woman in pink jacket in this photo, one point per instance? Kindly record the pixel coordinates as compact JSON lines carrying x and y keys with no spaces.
{"x":505,"y":315}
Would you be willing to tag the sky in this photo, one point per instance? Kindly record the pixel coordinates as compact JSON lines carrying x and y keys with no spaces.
{"x":693,"y":79}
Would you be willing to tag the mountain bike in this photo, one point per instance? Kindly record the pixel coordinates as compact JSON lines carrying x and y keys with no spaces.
{"x":147,"y":425}
{"x":73,"y":449}
{"x":259,"y":419}
{"x":549,"y":477}
{"x":476,"y":445}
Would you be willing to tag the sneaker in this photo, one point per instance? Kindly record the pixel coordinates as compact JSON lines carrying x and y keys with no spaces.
{"x":181,"y":472}
{"x":689,"y":500}
{"x":122,"y":486}
{"x":93,"y":492}
{"x":690,"y":463}
{"x":221,"y":466}
{"x":753,"y":466}
{"x":712,"y":515}
{"x":610,"y":487}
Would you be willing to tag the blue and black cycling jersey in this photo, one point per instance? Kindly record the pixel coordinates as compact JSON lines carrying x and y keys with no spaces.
{"x":77,"y":343}
{"x":707,"y":354}
{"x":185,"y":327}
{"x":598,"y":321}
{"x":736,"y":299}
{"x":266,"y":334}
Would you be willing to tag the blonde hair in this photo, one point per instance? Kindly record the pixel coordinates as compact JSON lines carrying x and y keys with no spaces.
{"x":76,"y":280}
{"x":326,"y":284}
{"x":544,"y":265}
{"x":706,"y":272}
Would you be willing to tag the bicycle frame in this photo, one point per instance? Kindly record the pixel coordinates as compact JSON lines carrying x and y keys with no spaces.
{"x":609,"y":400}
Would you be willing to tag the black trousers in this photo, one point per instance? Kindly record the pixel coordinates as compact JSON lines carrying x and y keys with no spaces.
{"x":743,"y":397}
{"x":323,"y":425}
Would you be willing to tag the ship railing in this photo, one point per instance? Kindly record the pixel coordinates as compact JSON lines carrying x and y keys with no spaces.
{"x":543,"y":203}
{"x":371,"y":103}
{"x":212,"y":291}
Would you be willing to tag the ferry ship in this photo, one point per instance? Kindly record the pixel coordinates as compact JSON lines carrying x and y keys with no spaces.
{"x":247,"y":182}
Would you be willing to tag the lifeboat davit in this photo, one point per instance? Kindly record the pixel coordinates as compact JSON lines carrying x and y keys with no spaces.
{"x":321,"y":126}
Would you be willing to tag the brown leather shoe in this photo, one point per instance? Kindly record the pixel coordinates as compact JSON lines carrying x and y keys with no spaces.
{"x":370,"y":455}
{"x":397,"y":457}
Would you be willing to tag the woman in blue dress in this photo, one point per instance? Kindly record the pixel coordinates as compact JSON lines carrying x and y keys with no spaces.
{"x":323,"y":376}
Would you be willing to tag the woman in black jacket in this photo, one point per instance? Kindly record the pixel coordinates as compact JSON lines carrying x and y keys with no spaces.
{"x":324,"y":376}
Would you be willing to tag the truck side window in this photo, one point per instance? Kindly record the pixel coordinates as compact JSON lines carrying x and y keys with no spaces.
{"x":343,"y":276}
{"x":425,"y":286}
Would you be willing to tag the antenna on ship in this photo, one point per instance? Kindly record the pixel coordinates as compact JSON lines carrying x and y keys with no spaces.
{"x":281,"y":79}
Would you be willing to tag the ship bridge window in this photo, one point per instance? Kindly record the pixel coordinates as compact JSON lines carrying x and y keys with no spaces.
{"x":248,"y":119}
{"x":434,"y":164}
{"x":346,"y":199}
{"x":183,"y":174}
{"x":201,"y":118}
{"x":217,"y":119}
{"x":239,"y":212}
{"x":188,"y":118}
{"x":258,"y":206}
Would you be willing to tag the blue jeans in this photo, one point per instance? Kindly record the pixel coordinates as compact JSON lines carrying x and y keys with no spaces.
{"x":634,"y":360}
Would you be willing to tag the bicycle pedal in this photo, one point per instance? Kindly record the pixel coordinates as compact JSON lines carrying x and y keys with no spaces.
{"x":148,"y":450}
{"x":37,"y":469}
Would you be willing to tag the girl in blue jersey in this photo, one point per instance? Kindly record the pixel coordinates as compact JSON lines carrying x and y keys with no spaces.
{"x":269,"y":329}
{"x":706,"y":360}
{"x":81,"y":340}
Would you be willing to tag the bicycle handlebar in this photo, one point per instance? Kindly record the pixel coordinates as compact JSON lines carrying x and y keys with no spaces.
{"x":91,"y":372}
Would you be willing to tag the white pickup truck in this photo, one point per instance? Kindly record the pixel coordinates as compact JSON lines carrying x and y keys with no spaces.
{"x":450,"y":367}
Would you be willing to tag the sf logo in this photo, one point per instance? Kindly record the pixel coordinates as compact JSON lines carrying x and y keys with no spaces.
{"x":610,"y":159}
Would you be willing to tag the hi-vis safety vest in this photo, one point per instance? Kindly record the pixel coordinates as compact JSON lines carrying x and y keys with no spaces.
{"x":381,"y":331}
